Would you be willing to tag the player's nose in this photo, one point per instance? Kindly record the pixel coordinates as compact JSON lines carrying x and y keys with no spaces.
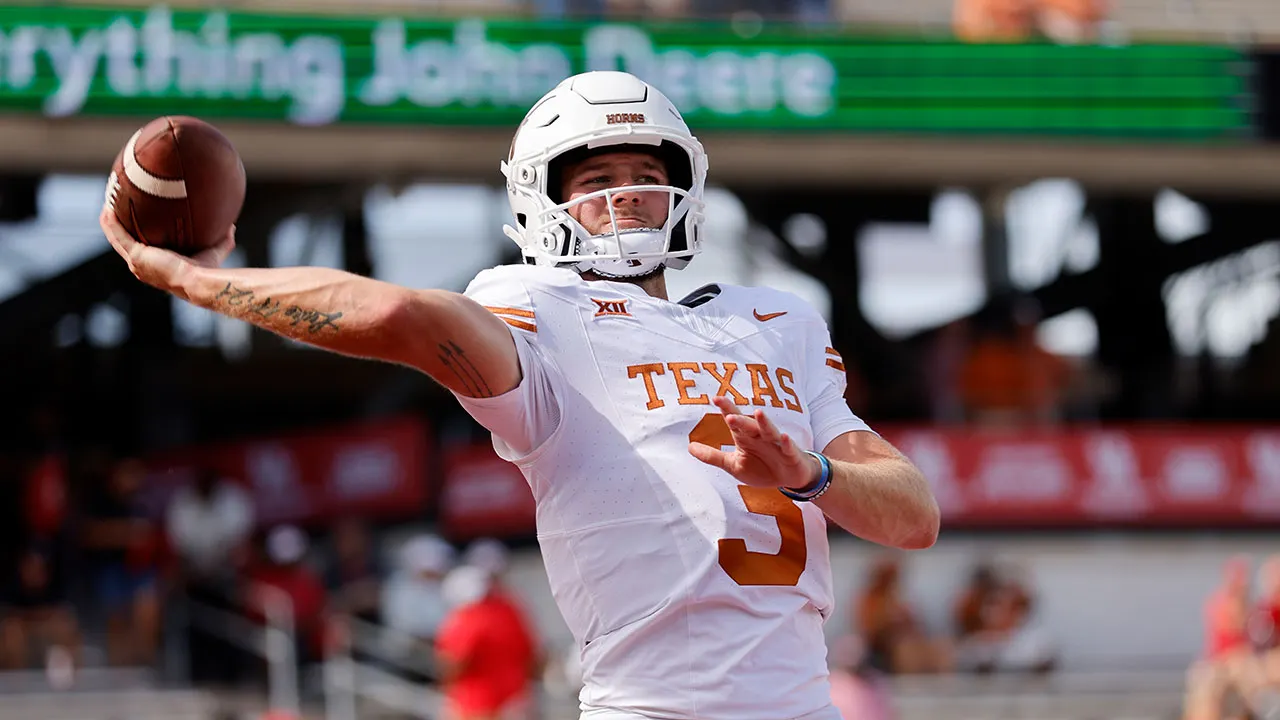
{"x":626,"y":197}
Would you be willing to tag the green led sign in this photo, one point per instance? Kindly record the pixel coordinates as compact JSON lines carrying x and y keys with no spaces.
{"x":62,"y":61}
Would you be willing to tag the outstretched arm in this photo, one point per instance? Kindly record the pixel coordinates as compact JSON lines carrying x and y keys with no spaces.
{"x":444,"y":334}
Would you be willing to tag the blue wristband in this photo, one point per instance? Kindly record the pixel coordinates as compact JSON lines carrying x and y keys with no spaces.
{"x":820,"y":487}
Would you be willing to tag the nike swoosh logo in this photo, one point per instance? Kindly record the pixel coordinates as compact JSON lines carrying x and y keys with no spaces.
{"x":768,"y":317}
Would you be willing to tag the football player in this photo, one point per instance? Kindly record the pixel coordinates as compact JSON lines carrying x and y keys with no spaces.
{"x":685,"y":455}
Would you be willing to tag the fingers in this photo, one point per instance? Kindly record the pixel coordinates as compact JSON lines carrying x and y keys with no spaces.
{"x":116,"y":235}
{"x":756,"y":424}
{"x":110,"y":223}
{"x":154,"y":266}
{"x":742,"y":426}
{"x":757,"y":435}
{"x":768,"y":430}
{"x":726,"y":405}
{"x":115,"y":232}
{"x":711,"y":456}
{"x":788,"y":446}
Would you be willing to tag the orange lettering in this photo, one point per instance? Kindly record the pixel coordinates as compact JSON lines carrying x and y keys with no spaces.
{"x":621,"y":118}
{"x":647,"y":371}
{"x":784,"y":568}
{"x":725,"y":388}
{"x":683,"y":383}
{"x":610,"y":307}
{"x":784,"y":376}
{"x":748,"y":567}
{"x":761,"y":385}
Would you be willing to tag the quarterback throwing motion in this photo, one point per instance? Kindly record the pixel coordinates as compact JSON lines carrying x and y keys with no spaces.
{"x":685,"y":455}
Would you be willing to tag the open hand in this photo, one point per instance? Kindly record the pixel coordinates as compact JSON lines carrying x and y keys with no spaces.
{"x":159,"y":267}
{"x":763,"y":456}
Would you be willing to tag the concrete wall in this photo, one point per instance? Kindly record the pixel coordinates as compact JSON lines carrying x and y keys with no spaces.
{"x":1111,"y":601}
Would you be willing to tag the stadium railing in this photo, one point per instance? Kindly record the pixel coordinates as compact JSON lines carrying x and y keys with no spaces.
{"x":274,"y":642}
{"x":366,"y":662}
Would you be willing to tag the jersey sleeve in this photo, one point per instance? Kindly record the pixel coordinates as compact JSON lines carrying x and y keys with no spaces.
{"x":824,"y":387}
{"x":522,"y":418}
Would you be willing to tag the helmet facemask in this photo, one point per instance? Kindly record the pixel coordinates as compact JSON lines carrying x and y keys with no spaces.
{"x":552,"y":233}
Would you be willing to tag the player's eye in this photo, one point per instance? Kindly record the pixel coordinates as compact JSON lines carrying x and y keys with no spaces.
{"x":597,"y":180}
{"x":648,"y":180}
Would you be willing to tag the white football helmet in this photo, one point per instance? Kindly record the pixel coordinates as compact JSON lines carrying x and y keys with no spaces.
{"x":587,"y":112}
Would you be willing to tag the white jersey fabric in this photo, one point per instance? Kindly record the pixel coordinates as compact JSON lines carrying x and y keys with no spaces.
{"x":690,"y":595}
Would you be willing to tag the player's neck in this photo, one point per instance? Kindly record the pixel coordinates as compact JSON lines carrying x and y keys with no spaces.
{"x":654,"y":285}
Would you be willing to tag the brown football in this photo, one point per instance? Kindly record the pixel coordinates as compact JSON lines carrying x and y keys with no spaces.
{"x":177,"y":184}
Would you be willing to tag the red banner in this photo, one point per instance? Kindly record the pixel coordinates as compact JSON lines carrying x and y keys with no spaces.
{"x":373,"y":469}
{"x":1142,"y":476}
{"x":484,"y":496}
{"x":1176,"y":477}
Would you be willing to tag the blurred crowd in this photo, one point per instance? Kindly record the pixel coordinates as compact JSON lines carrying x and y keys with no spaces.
{"x":992,"y":629}
{"x":992,"y":626}
{"x":93,"y":577}
{"x":90,"y":568}
{"x":1239,"y":675}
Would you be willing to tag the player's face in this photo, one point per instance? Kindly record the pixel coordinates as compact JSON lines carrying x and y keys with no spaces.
{"x":634,"y":210}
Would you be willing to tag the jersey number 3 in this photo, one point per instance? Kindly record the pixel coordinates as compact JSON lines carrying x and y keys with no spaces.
{"x":743,"y":565}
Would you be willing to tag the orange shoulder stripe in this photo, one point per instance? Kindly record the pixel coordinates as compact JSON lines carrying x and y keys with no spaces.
{"x":520,"y":324}
{"x":518,"y":312}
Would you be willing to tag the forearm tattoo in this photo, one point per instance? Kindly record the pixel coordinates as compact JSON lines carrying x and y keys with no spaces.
{"x":248,"y":306}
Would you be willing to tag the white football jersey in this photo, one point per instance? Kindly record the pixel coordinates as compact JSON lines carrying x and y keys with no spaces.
{"x":689,"y":594}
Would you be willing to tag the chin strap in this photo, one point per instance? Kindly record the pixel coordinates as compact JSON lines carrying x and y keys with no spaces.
{"x":615,"y":276}
{"x":586,"y":265}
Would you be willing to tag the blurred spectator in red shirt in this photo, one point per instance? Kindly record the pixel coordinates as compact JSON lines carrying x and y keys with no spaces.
{"x":45,"y":477}
{"x":1264,"y":622}
{"x":123,"y":542}
{"x":45,"y":499}
{"x":491,"y":556}
{"x":484,"y":654}
{"x":1264,"y":625}
{"x":1230,"y":667}
{"x":1227,"y":612}
{"x":286,"y":573}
